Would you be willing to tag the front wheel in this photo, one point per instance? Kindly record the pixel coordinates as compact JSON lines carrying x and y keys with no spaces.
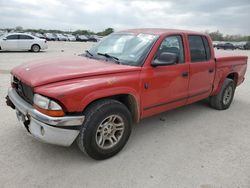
{"x":106,"y":129}
{"x":224,"y":98}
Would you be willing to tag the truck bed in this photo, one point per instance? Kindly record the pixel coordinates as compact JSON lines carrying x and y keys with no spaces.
{"x":229,"y":64}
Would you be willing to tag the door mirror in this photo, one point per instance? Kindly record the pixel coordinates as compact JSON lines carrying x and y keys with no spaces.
{"x":4,"y":38}
{"x":165,"y":58}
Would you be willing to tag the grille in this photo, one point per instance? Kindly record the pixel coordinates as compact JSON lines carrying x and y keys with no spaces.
{"x":23,"y":90}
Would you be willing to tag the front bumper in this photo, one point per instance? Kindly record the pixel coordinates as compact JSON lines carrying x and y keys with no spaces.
{"x":53,"y":130}
{"x":44,"y":47}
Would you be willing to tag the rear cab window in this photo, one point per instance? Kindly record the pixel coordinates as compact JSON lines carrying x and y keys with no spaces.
{"x":199,"y":48}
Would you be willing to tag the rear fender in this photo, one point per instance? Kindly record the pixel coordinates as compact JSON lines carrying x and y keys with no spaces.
{"x":218,"y":88}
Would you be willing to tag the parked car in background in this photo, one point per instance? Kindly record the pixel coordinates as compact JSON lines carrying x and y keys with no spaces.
{"x":39,"y":35}
{"x":2,"y":32}
{"x":226,"y":46}
{"x":239,"y":45}
{"x":246,"y":46}
{"x":215,"y":43}
{"x":50,"y":37}
{"x":81,"y":38}
{"x":70,"y":37}
{"x":92,"y":38}
{"x":61,"y":37}
{"x":22,"y":42}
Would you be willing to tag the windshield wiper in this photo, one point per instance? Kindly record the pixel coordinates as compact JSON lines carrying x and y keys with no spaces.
{"x":116,"y":59}
{"x":87,"y":52}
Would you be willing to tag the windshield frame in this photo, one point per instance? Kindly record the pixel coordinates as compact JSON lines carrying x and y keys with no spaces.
{"x":141,"y":60}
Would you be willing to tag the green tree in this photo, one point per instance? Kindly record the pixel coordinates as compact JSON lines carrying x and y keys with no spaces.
{"x":106,"y":32}
{"x":19,"y":28}
{"x":216,"y":36}
{"x":83,"y":32}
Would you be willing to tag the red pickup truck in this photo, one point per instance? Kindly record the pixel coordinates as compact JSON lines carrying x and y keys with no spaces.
{"x":95,"y":98}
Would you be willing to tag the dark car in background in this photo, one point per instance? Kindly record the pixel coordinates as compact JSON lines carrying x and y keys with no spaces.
{"x":247,"y":46}
{"x":82,"y":38}
{"x":39,"y":35}
{"x":226,"y":46}
{"x":92,"y":38}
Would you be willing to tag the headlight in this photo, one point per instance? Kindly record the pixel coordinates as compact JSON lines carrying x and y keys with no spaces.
{"x":47,"y":106}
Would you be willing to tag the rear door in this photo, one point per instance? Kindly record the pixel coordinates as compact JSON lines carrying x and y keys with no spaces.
{"x":10,"y":42}
{"x":25,"y":42}
{"x":202,"y":68}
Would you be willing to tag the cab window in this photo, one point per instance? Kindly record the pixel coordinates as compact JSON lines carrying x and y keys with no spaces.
{"x":172,"y":44}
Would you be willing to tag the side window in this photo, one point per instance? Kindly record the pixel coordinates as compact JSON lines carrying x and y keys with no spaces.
{"x":207,"y":48}
{"x":12,"y":37}
{"x":197,"y":48}
{"x":172,"y":44}
{"x":25,"y":37}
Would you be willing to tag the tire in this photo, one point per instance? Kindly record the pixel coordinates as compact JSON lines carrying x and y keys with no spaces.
{"x":35,"y":48}
{"x":223,"y":100}
{"x":95,"y":134}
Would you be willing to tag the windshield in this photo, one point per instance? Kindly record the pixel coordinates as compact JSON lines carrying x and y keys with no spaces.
{"x":128,"y":48}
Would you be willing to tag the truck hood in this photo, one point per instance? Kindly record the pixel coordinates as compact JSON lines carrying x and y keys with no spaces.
{"x":49,"y":71}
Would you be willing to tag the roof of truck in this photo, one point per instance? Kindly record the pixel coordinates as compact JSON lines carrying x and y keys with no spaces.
{"x":160,"y":31}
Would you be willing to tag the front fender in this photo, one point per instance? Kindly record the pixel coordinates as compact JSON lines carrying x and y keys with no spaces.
{"x":109,"y":92}
{"x":75,"y":95}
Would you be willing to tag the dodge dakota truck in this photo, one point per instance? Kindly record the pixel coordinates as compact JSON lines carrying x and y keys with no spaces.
{"x":94,"y":98}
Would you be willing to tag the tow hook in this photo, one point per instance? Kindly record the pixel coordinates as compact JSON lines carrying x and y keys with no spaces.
{"x":25,"y":119}
{"x":9,"y":103}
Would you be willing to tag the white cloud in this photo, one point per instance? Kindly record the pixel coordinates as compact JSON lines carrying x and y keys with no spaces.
{"x":228,"y":16}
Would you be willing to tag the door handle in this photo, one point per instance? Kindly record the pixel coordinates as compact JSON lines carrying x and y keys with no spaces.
{"x":184,"y":74}
{"x":210,"y":70}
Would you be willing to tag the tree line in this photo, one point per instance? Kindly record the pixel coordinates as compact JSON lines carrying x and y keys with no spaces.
{"x":218,"y":36}
{"x":77,"y":32}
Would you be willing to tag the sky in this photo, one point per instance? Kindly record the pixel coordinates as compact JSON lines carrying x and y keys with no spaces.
{"x":227,"y":16}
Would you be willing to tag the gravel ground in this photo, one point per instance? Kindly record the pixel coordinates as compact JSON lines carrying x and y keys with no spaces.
{"x":192,"y":146}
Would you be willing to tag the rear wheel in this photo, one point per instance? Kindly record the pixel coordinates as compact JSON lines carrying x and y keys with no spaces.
{"x":35,"y":48}
{"x":106,"y":129}
{"x":224,"y":98}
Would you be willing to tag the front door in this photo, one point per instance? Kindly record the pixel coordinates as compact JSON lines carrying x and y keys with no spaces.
{"x":10,"y":42}
{"x":165,"y":87}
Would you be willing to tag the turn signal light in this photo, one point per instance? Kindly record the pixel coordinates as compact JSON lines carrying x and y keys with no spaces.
{"x":53,"y":113}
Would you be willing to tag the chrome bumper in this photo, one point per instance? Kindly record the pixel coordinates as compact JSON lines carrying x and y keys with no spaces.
{"x":43,"y":127}
{"x":27,"y":109}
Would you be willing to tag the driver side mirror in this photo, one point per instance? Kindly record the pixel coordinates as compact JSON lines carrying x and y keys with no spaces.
{"x":165,"y":58}
{"x":4,"y":38}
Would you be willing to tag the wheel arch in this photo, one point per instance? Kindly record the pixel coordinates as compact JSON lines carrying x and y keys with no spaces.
{"x":35,"y":44}
{"x":232,"y":75}
{"x":128,"y":100}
